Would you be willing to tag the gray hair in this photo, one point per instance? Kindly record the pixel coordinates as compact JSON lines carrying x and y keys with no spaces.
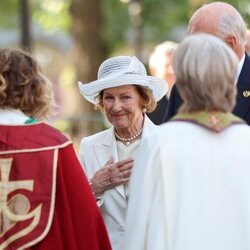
{"x":205,"y":70}
{"x":223,"y":17}
{"x":233,"y":24}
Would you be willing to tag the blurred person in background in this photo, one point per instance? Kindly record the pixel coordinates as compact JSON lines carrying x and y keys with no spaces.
{"x":190,"y":187}
{"x":46,"y":201}
{"x":124,"y":92}
{"x":160,"y":65}
{"x":225,"y":22}
{"x":248,"y":42}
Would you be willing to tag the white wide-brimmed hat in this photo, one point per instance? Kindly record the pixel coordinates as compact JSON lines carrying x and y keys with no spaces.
{"x":119,"y":71}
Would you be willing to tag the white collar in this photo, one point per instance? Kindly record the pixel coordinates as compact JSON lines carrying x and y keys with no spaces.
{"x":240,"y":66}
{"x":12,"y":116}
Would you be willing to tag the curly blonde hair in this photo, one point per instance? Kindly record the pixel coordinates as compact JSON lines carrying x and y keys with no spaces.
{"x":22,"y":84}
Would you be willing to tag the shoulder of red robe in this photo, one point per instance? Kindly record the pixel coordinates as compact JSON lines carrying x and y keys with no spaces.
{"x":32,"y":136}
{"x":28,"y":167}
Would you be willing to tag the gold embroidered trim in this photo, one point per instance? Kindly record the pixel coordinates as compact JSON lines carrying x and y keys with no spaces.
{"x":36,"y":149}
{"x":216,"y":121}
{"x":5,"y":164}
{"x":7,"y":186}
{"x":52,"y":208}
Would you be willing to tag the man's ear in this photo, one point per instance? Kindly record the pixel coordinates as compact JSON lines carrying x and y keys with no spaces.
{"x":231,"y":41}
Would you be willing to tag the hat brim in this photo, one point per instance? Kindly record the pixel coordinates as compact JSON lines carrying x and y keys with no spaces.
{"x":91,"y":90}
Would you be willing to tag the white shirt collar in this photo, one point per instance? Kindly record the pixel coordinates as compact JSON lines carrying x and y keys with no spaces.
{"x":240,"y":66}
{"x":12,"y":116}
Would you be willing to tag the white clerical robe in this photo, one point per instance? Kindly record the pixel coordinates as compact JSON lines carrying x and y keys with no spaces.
{"x":190,"y":190}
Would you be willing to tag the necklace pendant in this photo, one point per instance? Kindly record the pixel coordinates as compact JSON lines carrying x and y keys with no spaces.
{"x":127,"y":143}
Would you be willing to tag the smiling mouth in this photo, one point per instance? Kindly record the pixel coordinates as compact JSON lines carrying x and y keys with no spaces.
{"x":118,"y":115}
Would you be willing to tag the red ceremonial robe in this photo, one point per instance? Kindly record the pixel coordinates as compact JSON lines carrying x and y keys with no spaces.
{"x":45,"y":199}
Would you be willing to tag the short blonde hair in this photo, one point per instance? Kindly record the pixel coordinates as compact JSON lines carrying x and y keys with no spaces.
{"x":22,"y":84}
{"x":145,"y":93}
{"x":206,"y":72}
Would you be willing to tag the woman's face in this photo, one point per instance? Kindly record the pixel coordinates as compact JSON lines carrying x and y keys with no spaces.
{"x":123,"y":106}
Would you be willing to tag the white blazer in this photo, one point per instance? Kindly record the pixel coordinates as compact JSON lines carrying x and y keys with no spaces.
{"x":95,"y":151}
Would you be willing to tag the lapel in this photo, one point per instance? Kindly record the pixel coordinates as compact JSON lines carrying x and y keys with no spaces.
{"x":243,"y":88}
{"x":148,"y":127}
{"x":105,"y":148}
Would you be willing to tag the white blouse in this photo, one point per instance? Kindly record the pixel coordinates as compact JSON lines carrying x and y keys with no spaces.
{"x":124,"y":152}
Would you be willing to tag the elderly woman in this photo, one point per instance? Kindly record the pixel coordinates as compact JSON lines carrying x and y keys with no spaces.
{"x":41,"y":178}
{"x":190,"y":189}
{"x":124,"y":92}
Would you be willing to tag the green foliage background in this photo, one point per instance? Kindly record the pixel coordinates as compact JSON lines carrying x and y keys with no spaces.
{"x":159,"y":17}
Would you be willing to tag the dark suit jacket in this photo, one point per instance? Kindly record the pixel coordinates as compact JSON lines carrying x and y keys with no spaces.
{"x":242,"y":107}
{"x":158,"y":114}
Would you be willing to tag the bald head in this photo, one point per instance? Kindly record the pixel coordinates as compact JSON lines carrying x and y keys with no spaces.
{"x":223,"y":21}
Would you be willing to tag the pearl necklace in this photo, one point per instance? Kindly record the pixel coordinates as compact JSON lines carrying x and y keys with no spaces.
{"x":128,"y":141}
